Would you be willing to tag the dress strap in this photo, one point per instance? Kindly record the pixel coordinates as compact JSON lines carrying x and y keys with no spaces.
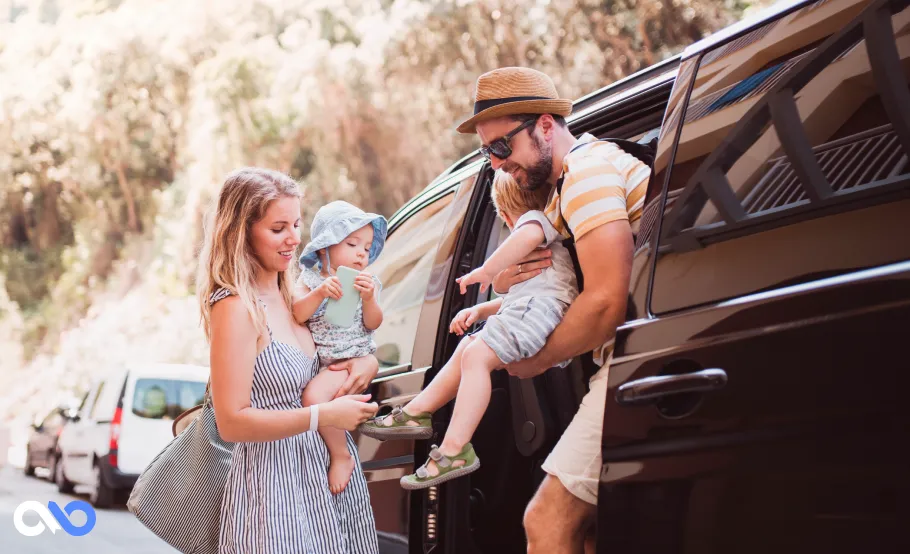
{"x":266,"y":310}
{"x":219,"y":294}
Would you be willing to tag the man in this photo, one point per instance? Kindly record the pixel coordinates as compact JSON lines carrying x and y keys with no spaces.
{"x":597,"y":194}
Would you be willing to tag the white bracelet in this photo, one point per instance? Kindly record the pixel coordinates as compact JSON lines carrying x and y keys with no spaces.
{"x":314,"y":417}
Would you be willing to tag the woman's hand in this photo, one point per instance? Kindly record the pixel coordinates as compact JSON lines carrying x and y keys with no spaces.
{"x":364,"y":284}
{"x":463,"y":320}
{"x":531,"y":266}
{"x":361,"y":372}
{"x":347,"y":412}
{"x":330,"y":288}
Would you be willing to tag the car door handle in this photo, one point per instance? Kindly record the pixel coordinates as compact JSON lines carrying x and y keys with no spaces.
{"x":652,"y":388}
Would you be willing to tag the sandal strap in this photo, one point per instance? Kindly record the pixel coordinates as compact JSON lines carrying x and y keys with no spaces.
{"x":398,"y":415}
{"x":441,"y":460}
{"x":422,"y":472}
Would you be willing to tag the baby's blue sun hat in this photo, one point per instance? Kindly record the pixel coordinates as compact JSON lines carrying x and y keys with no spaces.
{"x":334,"y":222}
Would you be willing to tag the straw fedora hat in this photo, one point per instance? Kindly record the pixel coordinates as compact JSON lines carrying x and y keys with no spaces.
{"x":512,"y":91}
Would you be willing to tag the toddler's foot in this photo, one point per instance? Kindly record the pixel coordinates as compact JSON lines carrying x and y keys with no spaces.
{"x":440,"y":468}
{"x":341,"y":468}
{"x":399,"y":425}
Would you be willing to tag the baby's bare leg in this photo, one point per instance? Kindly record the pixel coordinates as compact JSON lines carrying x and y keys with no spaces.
{"x":323,"y":388}
{"x":444,"y":386}
{"x":477,"y":363}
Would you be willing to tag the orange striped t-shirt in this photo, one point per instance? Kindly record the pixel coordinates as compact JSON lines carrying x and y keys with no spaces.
{"x":601,"y":184}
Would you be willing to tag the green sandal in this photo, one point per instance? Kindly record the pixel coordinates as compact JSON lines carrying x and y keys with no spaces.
{"x":421,"y":479}
{"x":399,"y":429}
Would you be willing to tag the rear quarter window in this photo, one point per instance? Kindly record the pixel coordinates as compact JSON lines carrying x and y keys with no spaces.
{"x":165,"y":398}
{"x":792,"y":160}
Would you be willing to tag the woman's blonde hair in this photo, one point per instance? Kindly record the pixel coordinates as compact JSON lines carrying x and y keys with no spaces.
{"x":508,"y":196}
{"x":227,"y":259}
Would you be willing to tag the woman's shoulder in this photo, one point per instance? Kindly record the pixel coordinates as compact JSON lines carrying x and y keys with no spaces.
{"x":229,"y":312}
{"x":220,"y":294}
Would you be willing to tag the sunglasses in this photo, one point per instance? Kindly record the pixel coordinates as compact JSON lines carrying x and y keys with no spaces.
{"x":501,"y":147}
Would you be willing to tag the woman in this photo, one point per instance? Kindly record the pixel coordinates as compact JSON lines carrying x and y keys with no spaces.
{"x":277,"y":497}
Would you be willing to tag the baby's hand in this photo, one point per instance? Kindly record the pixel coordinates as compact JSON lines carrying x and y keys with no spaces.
{"x":479,"y":275}
{"x":463,"y":320}
{"x":364,"y":283}
{"x":330,"y":288}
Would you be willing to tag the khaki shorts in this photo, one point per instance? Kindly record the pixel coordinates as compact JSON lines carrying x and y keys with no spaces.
{"x":575,"y":460}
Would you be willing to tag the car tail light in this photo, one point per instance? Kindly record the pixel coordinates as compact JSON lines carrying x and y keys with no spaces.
{"x":115,"y":436}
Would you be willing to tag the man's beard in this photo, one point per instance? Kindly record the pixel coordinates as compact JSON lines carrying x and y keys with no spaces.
{"x":537,"y":175}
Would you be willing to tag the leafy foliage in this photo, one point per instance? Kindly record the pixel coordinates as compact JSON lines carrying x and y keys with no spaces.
{"x":119,"y":118}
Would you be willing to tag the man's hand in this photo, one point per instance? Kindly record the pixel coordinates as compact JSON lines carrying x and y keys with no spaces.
{"x":527,"y":368}
{"x":361,"y":372}
{"x":531,"y":266}
{"x":364,"y":284}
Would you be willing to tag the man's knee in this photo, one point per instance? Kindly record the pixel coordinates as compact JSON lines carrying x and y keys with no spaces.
{"x":555,"y":512}
{"x":535,"y":517}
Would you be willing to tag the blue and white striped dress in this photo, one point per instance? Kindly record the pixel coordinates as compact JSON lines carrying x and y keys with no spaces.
{"x":277,"y":499}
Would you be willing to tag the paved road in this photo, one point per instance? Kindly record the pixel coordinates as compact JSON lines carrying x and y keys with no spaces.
{"x":115,"y":530}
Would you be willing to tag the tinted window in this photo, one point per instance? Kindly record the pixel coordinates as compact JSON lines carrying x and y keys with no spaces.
{"x":791,"y":163}
{"x":83,"y":405}
{"x":404,"y":269}
{"x":648,"y":224}
{"x":94,"y":413}
{"x":166,"y":398}
{"x":53,"y":420}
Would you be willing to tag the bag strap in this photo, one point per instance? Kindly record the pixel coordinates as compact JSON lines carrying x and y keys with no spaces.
{"x":589,"y":368}
{"x":645,"y":153}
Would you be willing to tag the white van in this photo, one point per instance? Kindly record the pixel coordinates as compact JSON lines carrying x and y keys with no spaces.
{"x":123,"y":423}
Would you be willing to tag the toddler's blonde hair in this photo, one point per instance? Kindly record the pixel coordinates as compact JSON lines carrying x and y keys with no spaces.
{"x":509,"y":196}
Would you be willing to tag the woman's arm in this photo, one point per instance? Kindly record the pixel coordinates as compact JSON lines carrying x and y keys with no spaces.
{"x":232,"y":357}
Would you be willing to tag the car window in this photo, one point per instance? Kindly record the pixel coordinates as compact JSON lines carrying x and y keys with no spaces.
{"x":95,"y":410}
{"x":654,"y":201}
{"x":792,"y":160}
{"x":107,"y":398}
{"x":165,"y":398}
{"x":82,"y":411}
{"x":441,"y":271}
{"x":53,"y":419}
{"x":404,"y":269}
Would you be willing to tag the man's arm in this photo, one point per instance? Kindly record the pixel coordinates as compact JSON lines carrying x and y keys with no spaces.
{"x":605,"y":256}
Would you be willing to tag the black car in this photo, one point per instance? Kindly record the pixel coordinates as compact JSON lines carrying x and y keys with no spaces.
{"x":754,"y":395}
{"x":40,"y":451}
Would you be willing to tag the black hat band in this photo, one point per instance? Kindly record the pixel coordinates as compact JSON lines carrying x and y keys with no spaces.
{"x":482,"y":105}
